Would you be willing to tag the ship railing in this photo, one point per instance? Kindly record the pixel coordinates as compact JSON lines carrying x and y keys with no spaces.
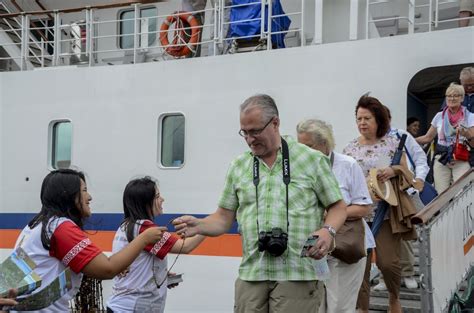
{"x":438,"y":6}
{"x":19,"y":30}
{"x":265,"y":35}
{"x":410,"y":18}
{"x":446,"y":236}
{"x":84,"y":39}
{"x":84,"y":42}
{"x":419,"y":15}
{"x":424,"y":9}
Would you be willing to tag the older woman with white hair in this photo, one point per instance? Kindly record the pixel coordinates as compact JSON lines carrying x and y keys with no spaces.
{"x":345,"y":279}
{"x":453,"y":125}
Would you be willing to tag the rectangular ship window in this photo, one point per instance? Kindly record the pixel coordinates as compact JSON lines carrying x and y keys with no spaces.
{"x":172,"y":140}
{"x":61,"y":137}
{"x":147,"y":23}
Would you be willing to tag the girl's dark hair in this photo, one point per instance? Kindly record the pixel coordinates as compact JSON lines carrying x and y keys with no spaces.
{"x":412,"y":120}
{"x":60,"y":193}
{"x":378,"y":110}
{"x":138,"y":198}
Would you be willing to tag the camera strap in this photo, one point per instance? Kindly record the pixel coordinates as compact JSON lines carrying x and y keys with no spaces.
{"x":285,"y":162}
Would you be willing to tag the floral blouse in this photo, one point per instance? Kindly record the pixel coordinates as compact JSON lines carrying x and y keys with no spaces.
{"x":368,"y":157}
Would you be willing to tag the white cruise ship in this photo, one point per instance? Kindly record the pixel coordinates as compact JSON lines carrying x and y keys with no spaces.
{"x":109,"y":87}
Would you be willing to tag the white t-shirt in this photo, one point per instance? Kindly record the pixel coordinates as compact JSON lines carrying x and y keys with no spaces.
{"x":438,"y":122}
{"x":136,"y":290}
{"x":353,"y":187}
{"x":69,"y":246}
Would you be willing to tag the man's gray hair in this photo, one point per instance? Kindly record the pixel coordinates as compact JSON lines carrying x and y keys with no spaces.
{"x":320,"y":131}
{"x":466,"y":73}
{"x":262,"y":101}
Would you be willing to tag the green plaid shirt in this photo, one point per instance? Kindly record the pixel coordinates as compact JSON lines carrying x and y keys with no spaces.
{"x":313,"y":187}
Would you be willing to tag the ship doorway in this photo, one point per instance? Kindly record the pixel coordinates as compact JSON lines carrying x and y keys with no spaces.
{"x":426,"y":92}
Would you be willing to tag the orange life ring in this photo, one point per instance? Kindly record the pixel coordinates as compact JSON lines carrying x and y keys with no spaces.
{"x":182,"y":20}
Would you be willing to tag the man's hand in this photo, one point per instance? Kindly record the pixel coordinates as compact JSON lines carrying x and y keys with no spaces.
{"x":187,"y":225}
{"x":323,"y":245}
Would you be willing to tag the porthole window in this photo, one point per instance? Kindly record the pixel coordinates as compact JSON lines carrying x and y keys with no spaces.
{"x":61,"y":139}
{"x":172,"y":130}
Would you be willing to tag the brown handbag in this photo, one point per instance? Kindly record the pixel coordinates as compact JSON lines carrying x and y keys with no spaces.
{"x":350,"y":242}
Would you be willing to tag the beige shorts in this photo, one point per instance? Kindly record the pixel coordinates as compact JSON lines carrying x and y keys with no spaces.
{"x":466,"y":6}
{"x":277,"y":296}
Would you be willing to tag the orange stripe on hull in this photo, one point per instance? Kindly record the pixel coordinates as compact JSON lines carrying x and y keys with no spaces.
{"x":468,"y":245}
{"x":225,"y":245}
{"x":8,"y":238}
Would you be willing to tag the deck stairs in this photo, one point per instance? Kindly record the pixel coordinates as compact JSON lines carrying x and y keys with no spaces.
{"x":409,"y":298}
{"x":11,"y":37}
{"x":448,"y":222}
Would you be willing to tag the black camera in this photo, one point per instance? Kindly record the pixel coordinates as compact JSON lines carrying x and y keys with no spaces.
{"x":274,"y":241}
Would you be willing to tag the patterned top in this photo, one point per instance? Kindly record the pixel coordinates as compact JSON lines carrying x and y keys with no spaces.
{"x":313,"y":188}
{"x":135,"y":289}
{"x":377,"y":155}
{"x":69,"y":247}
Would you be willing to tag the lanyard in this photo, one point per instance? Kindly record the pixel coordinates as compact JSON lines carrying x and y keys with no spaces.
{"x":285,"y":162}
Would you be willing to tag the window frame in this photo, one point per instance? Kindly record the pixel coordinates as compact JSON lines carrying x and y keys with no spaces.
{"x":119,"y":26}
{"x":52,"y":124}
{"x":159,"y":140}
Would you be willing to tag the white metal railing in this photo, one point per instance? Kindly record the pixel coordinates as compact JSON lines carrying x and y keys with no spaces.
{"x":30,"y":47}
{"x":93,"y":41}
{"x":414,"y":8}
{"x":447,"y":229}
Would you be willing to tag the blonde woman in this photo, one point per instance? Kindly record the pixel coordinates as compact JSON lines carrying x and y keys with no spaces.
{"x":452,"y":119}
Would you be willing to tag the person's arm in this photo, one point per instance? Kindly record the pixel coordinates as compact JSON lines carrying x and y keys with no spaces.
{"x":356,"y":211}
{"x":359,"y":194}
{"x":103,"y":267}
{"x":213,"y":225}
{"x":187,"y":245}
{"x":468,"y":133}
{"x":428,"y":137}
{"x":419,"y":158}
{"x":335,"y":217}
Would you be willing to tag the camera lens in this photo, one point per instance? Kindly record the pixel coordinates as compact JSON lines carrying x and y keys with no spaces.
{"x":278,"y":242}
{"x":276,"y":246}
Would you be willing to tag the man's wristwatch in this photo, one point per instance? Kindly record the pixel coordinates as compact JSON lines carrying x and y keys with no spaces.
{"x":331,"y":230}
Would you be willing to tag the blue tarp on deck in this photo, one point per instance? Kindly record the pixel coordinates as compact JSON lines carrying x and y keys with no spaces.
{"x":253,"y":11}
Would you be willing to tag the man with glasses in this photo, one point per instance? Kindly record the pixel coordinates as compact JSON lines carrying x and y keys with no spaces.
{"x":466,"y":77}
{"x":278,"y":192}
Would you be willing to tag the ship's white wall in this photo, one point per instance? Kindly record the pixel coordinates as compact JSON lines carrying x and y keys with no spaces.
{"x":114,"y":110}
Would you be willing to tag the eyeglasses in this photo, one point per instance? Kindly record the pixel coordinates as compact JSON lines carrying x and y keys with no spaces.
{"x":453,"y":96}
{"x":254,"y":132}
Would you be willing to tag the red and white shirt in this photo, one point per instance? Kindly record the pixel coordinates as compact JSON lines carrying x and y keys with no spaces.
{"x":136,"y":290}
{"x":69,"y":247}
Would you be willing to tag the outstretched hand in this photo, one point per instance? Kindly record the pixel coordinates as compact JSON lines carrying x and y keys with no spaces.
{"x":186,"y":225}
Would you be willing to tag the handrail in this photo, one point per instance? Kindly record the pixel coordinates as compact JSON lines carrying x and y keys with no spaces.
{"x":31,"y":22}
{"x":78,"y":9}
{"x":433,"y":208}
